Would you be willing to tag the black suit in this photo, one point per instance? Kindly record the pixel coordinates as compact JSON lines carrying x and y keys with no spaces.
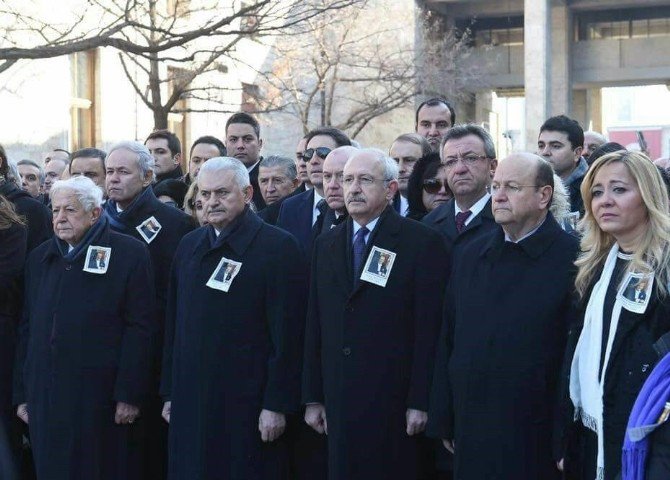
{"x":369,"y":350}
{"x":270,"y":214}
{"x":443,"y":219}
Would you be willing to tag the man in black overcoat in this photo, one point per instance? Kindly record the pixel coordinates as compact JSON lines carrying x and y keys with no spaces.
{"x":83,"y":359}
{"x":507,"y":312}
{"x":369,"y":348}
{"x":233,"y":350}
{"x":132,"y":207}
{"x":36,"y":214}
{"x":468,"y":215}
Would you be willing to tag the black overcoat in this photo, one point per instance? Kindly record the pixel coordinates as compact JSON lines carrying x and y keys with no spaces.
{"x":228,"y":355}
{"x":507,"y":312}
{"x":369,"y":350}
{"x":37,"y":215}
{"x":84,"y":345}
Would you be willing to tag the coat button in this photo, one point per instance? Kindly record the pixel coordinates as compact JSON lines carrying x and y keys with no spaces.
{"x":346,"y":351}
{"x":68,"y":267}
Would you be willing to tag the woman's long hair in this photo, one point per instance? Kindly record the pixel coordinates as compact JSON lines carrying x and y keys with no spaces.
{"x":653,"y":251}
{"x":8,"y":215}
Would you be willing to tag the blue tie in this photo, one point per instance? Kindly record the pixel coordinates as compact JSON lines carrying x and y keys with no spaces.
{"x":359,"y":249}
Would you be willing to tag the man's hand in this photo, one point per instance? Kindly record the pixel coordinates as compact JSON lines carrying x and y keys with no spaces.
{"x":449,"y":445}
{"x":315,"y":417}
{"x":271,"y":425}
{"x":416,"y":421}
{"x":166,"y":411}
{"x":22,"y":412}
{"x":125,"y":413}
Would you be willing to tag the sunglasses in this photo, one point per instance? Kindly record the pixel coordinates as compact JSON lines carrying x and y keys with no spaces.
{"x":433,"y":185}
{"x":321,"y":152}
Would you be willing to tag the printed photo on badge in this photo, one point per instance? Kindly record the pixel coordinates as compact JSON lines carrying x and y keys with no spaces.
{"x":378,"y":266}
{"x":149,"y":228}
{"x":224,"y":274}
{"x":635,"y":292}
{"x":97,"y":259}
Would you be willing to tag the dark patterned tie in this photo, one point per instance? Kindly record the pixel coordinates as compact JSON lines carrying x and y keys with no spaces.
{"x":321,"y":206}
{"x":461,"y":217}
{"x":359,"y":250}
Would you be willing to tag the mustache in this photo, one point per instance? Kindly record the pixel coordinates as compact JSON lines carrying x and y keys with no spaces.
{"x":355,"y":198}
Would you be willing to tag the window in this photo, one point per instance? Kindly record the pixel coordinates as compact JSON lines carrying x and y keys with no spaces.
{"x":83,"y":105}
{"x":623,"y":24}
{"x":494,"y":31}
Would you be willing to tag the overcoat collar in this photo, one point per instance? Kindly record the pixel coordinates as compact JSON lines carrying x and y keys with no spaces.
{"x":239,"y":238}
{"x":445,"y":215}
{"x":100,"y":239}
{"x":533,"y":246}
{"x":386,"y":235}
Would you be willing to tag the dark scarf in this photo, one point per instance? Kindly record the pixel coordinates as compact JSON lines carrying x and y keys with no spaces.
{"x":117,"y":219}
{"x":175,"y":173}
{"x":93,"y":235}
{"x":216,"y":241}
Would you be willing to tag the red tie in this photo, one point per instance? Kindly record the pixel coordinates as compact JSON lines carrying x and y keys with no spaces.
{"x":461,"y":217}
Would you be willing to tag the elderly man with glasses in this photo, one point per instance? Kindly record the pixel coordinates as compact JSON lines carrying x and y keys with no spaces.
{"x":506,"y":317}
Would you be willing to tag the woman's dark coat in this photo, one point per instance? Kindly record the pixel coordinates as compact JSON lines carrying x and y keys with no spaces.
{"x":84,"y":345}
{"x":631,"y":361}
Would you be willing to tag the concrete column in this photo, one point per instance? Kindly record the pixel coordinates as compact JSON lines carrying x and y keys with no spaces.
{"x":537,"y":72}
{"x":580,"y":109}
{"x":483,"y":108}
{"x":594,"y":104}
{"x":560,"y":84}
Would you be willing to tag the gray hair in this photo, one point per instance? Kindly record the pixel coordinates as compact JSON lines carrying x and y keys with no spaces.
{"x":41,"y":173}
{"x":460,"y":131}
{"x":286,"y":163}
{"x":145,"y":160}
{"x":216,"y":164}
{"x":13,"y":174}
{"x":390,"y":166}
{"x":87,"y":192}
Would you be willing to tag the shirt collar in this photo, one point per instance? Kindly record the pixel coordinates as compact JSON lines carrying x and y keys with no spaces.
{"x":475,"y":209}
{"x":370,"y":225}
{"x":249,"y":169}
{"x":508,"y":239}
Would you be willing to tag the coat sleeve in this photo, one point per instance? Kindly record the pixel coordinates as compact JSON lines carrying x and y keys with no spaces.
{"x":13,"y":243}
{"x":441,"y":411}
{"x":170,"y":319}
{"x":312,"y":381}
{"x":134,"y":373}
{"x":286,"y":289}
{"x":18,"y":389}
{"x":430,"y":275}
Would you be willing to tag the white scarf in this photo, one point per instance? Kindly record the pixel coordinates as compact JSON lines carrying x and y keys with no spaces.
{"x":586,"y":386}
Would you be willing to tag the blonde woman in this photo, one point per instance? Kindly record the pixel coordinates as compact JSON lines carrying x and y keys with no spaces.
{"x":625,"y":244}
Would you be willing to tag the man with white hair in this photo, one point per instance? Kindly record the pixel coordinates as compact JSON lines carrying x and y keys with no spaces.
{"x":131,"y":207}
{"x":85,"y":341}
{"x":234,"y":331}
{"x":371,"y":332}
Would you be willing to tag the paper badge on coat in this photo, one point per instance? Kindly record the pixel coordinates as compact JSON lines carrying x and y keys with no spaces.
{"x":635,"y":292}
{"x":224,"y":274}
{"x":378,"y":267}
{"x":97,"y":259}
{"x":149,"y":229}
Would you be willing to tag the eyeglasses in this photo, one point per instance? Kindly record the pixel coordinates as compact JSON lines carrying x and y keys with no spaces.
{"x":468,"y":160}
{"x":512,"y":188}
{"x":433,"y":185}
{"x":321,"y":152}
